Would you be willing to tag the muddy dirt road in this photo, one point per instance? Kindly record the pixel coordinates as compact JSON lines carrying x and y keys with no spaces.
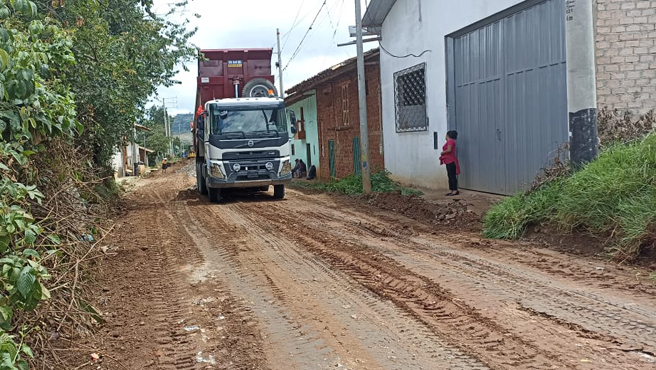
{"x":313,"y":282}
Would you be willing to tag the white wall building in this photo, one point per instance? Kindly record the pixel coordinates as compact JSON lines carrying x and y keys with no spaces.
{"x":128,"y":155}
{"x":419,"y":27}
{"x":494,"y":70}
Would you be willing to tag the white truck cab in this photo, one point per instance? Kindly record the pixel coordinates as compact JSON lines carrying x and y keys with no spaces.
{"x":245,"y":144}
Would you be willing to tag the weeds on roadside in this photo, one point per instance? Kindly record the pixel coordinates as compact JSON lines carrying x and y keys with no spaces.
{"x":614,"y":196}
{"x":351,"y":185}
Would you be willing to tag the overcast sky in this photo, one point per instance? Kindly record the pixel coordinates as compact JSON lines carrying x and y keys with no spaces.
{"x":253,"y":23}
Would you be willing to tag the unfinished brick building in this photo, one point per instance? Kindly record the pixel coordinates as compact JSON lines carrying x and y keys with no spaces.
{"x":626,"y":52}
{"x":338,"y":120}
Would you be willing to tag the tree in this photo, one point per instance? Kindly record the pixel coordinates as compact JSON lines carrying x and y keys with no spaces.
{"x":177,"y":146}
{"x":156,"y":138}
{"x":123,"y":51}
{"x":35,"y":106}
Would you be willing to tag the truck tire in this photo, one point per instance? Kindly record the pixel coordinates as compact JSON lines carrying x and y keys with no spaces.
{"x":214,"y":195}
{"x":200,"y":180}
{"x":258,"y":88}
{"x":278,"y":191}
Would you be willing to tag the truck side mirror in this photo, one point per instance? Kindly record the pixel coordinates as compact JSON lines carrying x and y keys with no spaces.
{"x":293,"y":129}
{"x":292,"y":118}
{"x":201,"y":122}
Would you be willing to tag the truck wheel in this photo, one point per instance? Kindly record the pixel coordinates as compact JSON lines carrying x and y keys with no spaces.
{"x":279,"y":191}
{"x":200,"y":180}
{"x":214,"y":195}
{"x":258,"y":88}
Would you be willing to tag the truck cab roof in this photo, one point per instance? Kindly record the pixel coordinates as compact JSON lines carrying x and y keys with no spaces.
{"x":274,"y":102}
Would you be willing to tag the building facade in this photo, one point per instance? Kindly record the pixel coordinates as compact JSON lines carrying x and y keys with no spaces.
{"x":336,"y":94}
{"x":305,"y":144}
{"x":496,"y":71}
{"x":130,"y":155}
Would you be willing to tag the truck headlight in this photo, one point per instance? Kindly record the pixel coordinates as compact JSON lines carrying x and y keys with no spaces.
{"x":215,"y":171}
{"x":286,"y":168}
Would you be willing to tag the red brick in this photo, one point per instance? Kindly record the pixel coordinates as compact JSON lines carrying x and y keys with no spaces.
{"x":331,"y":127}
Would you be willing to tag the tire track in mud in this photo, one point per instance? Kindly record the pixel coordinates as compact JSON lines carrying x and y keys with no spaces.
{"x":418,"y":296}
{"x":420,"y":343}
{"x":317,"y":286}
{"x":183,"y":324}
{"x":346,"y":231}
{"x":623,"y":325}
{"x":175,"y":348}
{"x":434,"y":248}
{"x":290,"y":344}
{"x":622,"y":322}
{"x":381,"y":336}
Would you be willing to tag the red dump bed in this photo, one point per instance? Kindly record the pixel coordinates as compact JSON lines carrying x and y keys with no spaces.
{"x":226,"y":67}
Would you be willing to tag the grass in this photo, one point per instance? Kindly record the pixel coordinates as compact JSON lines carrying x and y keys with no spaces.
{"x":108,"y":190}
{"x":614,"y":196}
{"x":351,"y":185}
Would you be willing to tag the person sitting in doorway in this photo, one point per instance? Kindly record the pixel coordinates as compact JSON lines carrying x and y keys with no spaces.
{"x":295,"y":169}
{"x":312,"y":174}
{"x":302,"y":169}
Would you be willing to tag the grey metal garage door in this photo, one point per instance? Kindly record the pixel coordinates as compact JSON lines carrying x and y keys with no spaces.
{"x":508,"y":95}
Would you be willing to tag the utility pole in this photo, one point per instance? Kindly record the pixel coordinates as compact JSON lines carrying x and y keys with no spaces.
{"x":135,"y":151}
{"x":362,"y":101}
{"x":167,"y":123}
{"x":282,"y":91}
{"x":581,"y":81}
{"x":166,"y":127}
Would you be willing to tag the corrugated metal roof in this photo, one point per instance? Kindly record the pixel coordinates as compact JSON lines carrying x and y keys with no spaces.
{"x":377,"y":12}
{"x":333,"y":71}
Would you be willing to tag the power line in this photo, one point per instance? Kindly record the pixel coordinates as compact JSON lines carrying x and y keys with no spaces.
{"x":305,"y":36}
{"x":294,"y":24}
{"x":402,"y":56}
{"x":339,"y":19}
{"x":321,"y":21}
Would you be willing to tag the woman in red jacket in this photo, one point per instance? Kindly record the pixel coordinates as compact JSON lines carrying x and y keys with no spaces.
{"x":448,"y":158}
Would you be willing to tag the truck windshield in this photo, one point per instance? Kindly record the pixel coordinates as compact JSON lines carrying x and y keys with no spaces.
{"x":256,"y":121}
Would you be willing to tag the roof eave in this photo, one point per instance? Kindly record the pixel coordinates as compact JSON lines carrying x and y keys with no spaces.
{"x":331,"y":73}
{"x":377,"y":12}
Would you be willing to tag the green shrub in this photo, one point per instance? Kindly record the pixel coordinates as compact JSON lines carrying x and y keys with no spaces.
{"x":380,"y":183}
{"x":614,"y":196}
{"x":108,"y":190}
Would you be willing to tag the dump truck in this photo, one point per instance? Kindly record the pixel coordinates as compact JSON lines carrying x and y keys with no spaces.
{"x":240,"y":129}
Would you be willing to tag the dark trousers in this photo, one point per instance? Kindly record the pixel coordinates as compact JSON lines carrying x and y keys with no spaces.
{"x":453,"y":177}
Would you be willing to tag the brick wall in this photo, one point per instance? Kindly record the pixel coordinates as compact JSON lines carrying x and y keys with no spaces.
{"x":332,"y":127}
{"x":626,"y":54}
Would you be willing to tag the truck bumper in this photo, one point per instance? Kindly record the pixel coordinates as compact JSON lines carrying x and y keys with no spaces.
{"x":215,"y":183}
{"x":251,"y":174}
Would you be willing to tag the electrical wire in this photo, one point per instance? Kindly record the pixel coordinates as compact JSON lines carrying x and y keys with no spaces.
{"x":339,"y":19}
{"x":298,"y":48}
{"x":403,"y":56}
{"x":287,"y":34}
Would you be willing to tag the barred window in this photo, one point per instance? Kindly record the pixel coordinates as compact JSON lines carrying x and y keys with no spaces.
{"x":345,"y":105}
{"x":410,"y":99}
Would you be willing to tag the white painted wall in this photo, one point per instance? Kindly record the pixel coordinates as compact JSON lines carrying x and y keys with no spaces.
{"x":117,"y":163}
{"x":411,"y":156}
